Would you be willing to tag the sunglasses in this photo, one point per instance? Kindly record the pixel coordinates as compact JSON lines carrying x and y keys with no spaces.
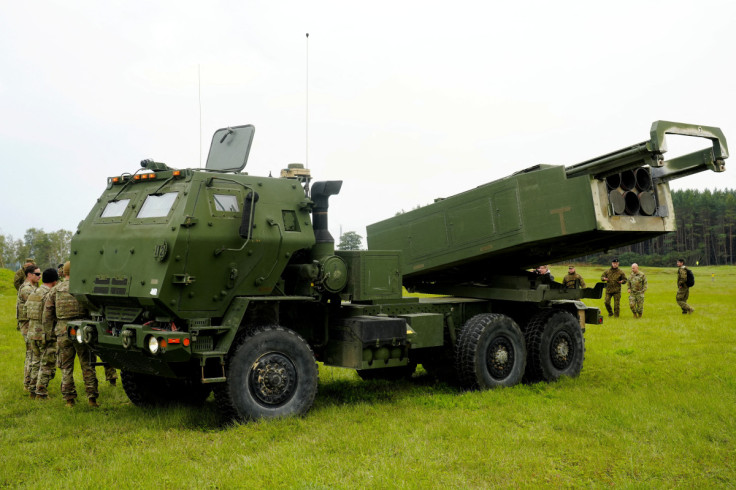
{"x":37,"y":273}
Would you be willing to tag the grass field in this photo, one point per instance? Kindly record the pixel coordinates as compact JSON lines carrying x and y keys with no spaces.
{"x":655,"y":406}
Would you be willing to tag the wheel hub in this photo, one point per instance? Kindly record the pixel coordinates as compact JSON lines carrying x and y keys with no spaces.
{"x":562,"y":350}
{"x":272,"y":379}
{"x":500,"y":357}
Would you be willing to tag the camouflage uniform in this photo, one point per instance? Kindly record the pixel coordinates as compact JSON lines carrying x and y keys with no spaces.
{"x":60,"y":308}
{"x":20,"y":274}
{"x":637,"y":287}
{"x":683,"y":292}
{"x":613,"y":289}
{"x":571,"y":281}
{"x":24,"y":292}
{"x":43,"y":343}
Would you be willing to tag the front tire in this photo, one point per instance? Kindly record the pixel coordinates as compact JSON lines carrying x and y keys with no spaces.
{"x":555,"y":346}
{"x":148,"y":391}
{"x":490,"y":352}
{"x":271,"y":373}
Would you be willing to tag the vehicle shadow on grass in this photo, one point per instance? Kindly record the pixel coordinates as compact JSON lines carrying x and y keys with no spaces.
{"x":341,"y":392}
{"x":331,"y":393}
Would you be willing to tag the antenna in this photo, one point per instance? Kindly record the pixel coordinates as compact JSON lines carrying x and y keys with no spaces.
{"x":306,"y":157}
{"x":199,"y":90}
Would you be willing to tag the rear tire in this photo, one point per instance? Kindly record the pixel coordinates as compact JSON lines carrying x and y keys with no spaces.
{"x":271,"y":373}
{"x":555,"y":346}
{"x":490,"y":352}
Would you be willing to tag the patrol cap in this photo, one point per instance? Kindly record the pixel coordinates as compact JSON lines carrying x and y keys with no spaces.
{"x":50,"y":275}
{"x":614,"y":260}
{"x":29,"y":261}
{"x":67,"y":267}
{"x":570,"y":266}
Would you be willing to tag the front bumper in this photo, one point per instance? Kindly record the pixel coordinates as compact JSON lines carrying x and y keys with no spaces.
{"x":127,"y":347}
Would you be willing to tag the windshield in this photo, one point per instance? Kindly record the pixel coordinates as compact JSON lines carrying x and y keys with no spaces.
{"x":115,"y":209}
{"x":157,"y":206}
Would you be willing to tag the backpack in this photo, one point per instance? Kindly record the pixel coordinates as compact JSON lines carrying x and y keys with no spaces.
{"x":690,"y":279}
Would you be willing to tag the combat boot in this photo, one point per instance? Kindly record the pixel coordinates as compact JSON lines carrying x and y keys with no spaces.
{"x":33,"y":395}
{"x":70,"y":403}
{"x":93,"y":403}
{"x":113,"y":382}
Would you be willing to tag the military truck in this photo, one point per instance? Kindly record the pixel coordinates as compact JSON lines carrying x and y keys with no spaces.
{"x":210,"y":279}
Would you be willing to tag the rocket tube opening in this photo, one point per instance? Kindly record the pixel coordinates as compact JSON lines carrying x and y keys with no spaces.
{"x":628,"y":180}
{"x":632,"y":203}
{"x":648,"y":203}
{"x":643,"y":179}
{"x":617,"y":201}
{"x":613,"y":181}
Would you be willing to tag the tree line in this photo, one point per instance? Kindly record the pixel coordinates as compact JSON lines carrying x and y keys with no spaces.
{"x":47,"y":249}
{"x":706,"y":222}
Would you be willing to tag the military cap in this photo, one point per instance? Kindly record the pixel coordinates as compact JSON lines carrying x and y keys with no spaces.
{"x":614,"y":260}
{"x":67,"y":267}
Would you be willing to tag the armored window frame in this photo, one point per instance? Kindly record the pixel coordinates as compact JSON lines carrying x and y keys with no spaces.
{"x":154,"y":204}
{"x":144,"y":215}
{"x":124,"y":211}
{"x":233,"y":194}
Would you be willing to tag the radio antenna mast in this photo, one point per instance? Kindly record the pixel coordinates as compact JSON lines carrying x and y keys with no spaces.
{"x":306,"y":157}
{"x":199,"y":90}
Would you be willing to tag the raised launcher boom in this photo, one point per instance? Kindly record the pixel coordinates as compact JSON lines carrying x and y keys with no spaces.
{"x":545,"y":213}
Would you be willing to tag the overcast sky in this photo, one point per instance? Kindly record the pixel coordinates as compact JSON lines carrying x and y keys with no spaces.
{"x":407,"y":100}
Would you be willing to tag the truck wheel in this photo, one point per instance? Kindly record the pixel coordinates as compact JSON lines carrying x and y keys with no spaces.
{"x":270,"y":373}
{"x":555,"y":346}
{"x":490,"y":352}
{"x":189,"y":391}
{"x":389,"y":373}
{"x":145,"y":390}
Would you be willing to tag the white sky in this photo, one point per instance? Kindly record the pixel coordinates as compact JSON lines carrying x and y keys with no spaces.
{"x":408,"y":100}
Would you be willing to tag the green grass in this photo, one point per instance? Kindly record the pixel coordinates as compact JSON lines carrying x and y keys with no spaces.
{"x":653,"y":407}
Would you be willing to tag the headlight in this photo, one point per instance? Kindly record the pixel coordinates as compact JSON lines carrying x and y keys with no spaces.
{"x":80,"y":336}
{"x":152,"y":344}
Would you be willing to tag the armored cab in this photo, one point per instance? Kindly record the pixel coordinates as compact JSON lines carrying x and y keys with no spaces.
{"x":210,"y":279}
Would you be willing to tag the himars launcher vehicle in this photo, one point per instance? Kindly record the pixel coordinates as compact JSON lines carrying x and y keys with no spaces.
{"x":212,"y":279}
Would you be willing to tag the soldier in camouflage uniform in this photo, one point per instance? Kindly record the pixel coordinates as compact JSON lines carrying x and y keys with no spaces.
{"x":573,"y":280}
{"x":33,"y":275}
{"x":60,"y":308}
{"x":20,"y":274}
{"x":637,"y":288}
{"x":683,"y":291}
{"x":614,"y":278}
{"x":43,"y":343}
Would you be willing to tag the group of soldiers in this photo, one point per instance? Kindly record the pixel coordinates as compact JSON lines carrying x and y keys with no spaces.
{"x":43,"y":312}
{"x":637,"y":286}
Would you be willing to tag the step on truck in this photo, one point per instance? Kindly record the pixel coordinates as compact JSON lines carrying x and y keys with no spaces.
{"x":209,"y":279}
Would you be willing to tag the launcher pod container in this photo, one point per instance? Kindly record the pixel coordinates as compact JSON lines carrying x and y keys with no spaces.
{"x":201,"y":280}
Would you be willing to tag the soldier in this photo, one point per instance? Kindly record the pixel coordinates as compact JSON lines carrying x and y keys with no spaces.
{"x":60,"y":308}
{"x":637,"y":288}
{"x":614,"y":278}
{"x":43,"y":343}
{"x":33,"y":275}
{"x":683,"y":291}
{"x":20,"y":274}
{"x":60,"y":270}
{"x":573,"y":280}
